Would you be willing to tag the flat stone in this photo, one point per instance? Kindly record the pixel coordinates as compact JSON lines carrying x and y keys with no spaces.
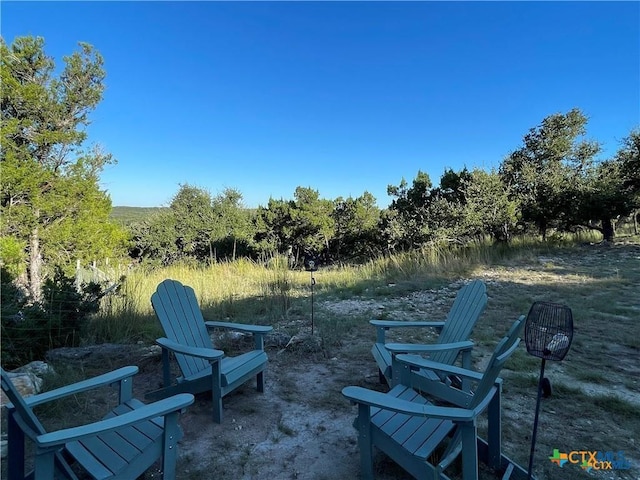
{"x":37,"y":368}
{"x":95,"y":354}
{"x":27,"y":385}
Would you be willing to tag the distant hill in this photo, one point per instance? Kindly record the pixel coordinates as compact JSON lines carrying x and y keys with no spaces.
{"x":128,"y":215}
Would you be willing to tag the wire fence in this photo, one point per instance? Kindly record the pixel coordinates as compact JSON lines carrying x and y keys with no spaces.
{"x":108,"y":275}
{"x":30,"y":330}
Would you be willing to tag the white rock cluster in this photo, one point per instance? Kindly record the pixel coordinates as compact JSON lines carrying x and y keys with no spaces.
{"x":28,"y":381}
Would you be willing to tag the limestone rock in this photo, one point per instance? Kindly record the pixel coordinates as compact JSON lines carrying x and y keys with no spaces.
{"x":107,"y":352}
{"x":36,"y":368}
{"x":26,"y":384}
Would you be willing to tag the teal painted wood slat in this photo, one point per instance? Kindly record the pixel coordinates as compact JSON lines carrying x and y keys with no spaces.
{"x":409,"y":428}
{"x":468,"y":306}
{"x":426,"y":430}
{"x":178,"y":311}
{"x":90,"y":463}
{"x":106,"y":449}
{"x":104,"y":453}
{"x":249,"y":363}
{"x":180,"y":324}
{"x":380,"y":416}
{"x":435,"y":437}
{"x":399,"y":422}
{"x":465,"y":312}
{"x":409,"y":435}
{"x":121,"y":445}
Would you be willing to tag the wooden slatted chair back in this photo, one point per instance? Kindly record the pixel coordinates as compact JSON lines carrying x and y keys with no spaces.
{"x":501,"y":354}
{"x":177,"y":308}
{"x":469,"y":304}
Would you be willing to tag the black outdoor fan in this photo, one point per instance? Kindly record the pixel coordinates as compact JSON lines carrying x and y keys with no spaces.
{"x":548,"y":332}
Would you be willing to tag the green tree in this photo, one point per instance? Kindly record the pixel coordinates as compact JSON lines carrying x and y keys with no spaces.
{"x":488,"y":208}
{"x":183,"y":231}
{"x":303,"y":226}
{"x":408,"y":227}
{"x":50,"y":197}
{"x":313,"y":223}
{"x":195,"y":225}
{"x":604,"y":199}
{"x":356,"y":226}
{"x":629,"y":158}
{"x":612,"y":189}
{"x":391,"y":230}
{"x":233,"y":224}
{"x":274,"y":227}
{"x":544,"y":174}
{"x":425,"y":214}
{"x":446,"y":207}
{"x":453,"y":185}
{"x":154,"y":239}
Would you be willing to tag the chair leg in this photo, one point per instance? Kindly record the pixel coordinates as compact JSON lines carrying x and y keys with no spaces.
{"x":216,"y":392}
{"x":364,"y":442}
{"x":170,"y":446}
{"x":15,"y":456}
{"x":166,"y":368}
{"x":44,"y":466}
{"x":469,"y":451}
{"x":494,"y":434}
{"x":260,"y":382}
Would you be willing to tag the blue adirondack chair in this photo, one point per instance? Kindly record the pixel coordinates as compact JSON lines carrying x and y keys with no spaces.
{"x":453,"y":340}
{"x":408,"y":427}
{"x":204,"y":369}
{"x":125,"y":443}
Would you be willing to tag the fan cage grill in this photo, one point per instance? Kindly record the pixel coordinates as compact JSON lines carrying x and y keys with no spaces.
{"x":548,"y":330}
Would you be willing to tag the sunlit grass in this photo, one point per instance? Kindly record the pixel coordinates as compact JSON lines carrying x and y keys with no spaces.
{"x":272,"y":293}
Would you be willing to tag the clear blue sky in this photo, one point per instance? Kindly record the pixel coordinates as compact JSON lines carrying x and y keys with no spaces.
{"x":340,"y":97}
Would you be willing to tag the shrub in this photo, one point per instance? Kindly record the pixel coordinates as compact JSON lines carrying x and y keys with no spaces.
{"x":29,"y":330}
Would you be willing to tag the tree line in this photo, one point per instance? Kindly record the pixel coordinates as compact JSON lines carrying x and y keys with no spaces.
{"x":54,"y":211}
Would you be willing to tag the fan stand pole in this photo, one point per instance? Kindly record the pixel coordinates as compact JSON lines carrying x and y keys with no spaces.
{"x":535,"y":421}
{"x":313,"y":282}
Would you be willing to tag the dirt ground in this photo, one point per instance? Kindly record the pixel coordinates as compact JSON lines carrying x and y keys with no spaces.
{"x":299,"y":428}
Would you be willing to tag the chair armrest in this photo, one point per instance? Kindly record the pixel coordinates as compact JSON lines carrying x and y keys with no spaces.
{"x":82,"y":386}
{"x":386,"y":324}
{"x":419,"y":362}
{"x":206,"y":353}
{"x":157,"y":409}
{"x":382,"y":400}
{"x":241,"y":327}
{"x":428,"y":348}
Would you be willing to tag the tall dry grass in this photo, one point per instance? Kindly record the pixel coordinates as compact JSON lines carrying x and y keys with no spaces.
{"x":248,"y":291}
